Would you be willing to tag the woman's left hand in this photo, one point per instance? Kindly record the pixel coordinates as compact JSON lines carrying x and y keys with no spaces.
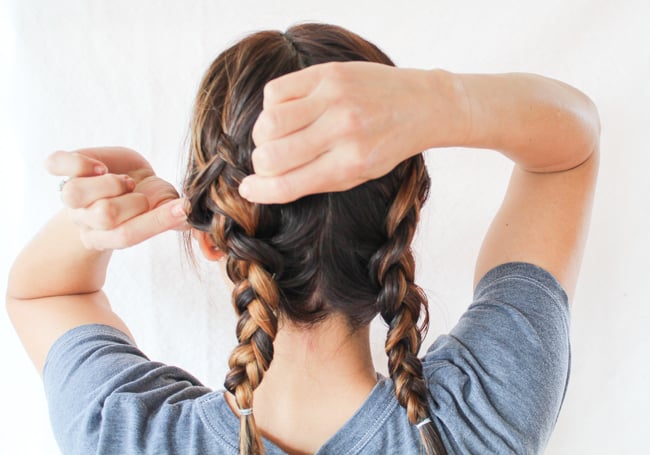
{"x":333,"y":126}
{"x":114,"y":196}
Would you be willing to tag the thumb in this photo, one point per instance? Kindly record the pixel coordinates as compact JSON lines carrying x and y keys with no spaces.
{"x":167,"y":216}
{"x":170,"y":215}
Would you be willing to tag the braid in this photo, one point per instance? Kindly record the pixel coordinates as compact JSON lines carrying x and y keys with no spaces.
{"x":346,"y":253}
{"x":401,"y":301}
{"x":255,"y":299}
{"x":255,"y":295}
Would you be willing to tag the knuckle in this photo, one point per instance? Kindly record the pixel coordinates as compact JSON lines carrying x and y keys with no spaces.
{"x":351,"y":121}
{"x":266,"y":158}
{"x":119,"y":183}
{"x":335,"y":76}
{"x":282,"y":189}
{"x":266,"y":126}
{"x":122,"y":238}
{"x":355,"y":167}
{"x":308,"y":148}
{"x":258,"y":130}
{"x":269,"y":119}
{"x":105,"y":213}
{"x":335,"y":70}
{"x":270,"y":91}
{"x":71,"y":195}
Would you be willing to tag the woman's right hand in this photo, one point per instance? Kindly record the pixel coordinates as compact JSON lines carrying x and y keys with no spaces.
{"x":333,"y":126}
{"x":114,"y":196}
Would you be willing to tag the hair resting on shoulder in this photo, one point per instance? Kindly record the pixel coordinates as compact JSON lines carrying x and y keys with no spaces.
{"x":347,"y":253}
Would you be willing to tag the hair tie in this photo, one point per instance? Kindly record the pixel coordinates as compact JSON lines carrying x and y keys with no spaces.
{"x":422,"y":423}
{"x":245,"y":412}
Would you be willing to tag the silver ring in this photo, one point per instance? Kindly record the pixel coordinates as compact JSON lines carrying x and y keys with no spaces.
{"x":62,"y":184}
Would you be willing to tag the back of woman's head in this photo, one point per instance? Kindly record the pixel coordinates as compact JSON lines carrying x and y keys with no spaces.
{"x":345,"y":253}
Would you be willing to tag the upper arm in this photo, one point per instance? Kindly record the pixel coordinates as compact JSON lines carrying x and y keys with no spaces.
{"x":544,"y":220}
{"x":40,"y":322}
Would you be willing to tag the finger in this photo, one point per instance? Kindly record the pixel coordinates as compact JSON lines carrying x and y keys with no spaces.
{"x":170,"y":215}
{"x":279,"y":120}
{"x":325,"y":174}
{"x":157,"y":190}
{"x":106,"y":214}
{"x":291,"y":86}
{"x":281,"y":155}
{"x":73,"y":164}
{"x":119,"y":160}
{"x":82,"y":191}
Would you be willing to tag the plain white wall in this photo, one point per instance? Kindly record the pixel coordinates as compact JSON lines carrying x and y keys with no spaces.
{"x":83,"y":73}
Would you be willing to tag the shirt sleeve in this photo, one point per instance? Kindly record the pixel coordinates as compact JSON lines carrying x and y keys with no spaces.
{"x":105,"y":396}
{"x":498,"y":379}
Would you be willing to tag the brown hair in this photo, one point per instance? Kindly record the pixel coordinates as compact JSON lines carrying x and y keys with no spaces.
{"x":347,"y":253}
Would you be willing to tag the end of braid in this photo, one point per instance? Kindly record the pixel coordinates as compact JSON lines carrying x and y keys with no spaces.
{"x":250,"y":440}
{"x":256,"y":300}
{"x":431,"y":439}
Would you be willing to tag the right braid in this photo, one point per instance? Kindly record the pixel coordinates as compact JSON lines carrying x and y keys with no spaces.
{"x":401,"y":301}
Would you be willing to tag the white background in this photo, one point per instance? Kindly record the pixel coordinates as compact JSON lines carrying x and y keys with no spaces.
{"x":87,"y":73}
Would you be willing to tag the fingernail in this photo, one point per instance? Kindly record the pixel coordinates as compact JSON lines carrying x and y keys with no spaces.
{"x":100,"y":170}
{"x":178,"y":208}
{"x":130,"y":183}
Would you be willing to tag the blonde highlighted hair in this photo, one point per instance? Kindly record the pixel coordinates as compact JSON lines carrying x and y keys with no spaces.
{"x":347,"y":253}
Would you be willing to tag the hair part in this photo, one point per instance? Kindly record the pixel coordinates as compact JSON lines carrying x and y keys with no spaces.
{"x":344,"y":253}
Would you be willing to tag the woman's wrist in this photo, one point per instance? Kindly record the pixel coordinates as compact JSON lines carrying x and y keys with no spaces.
{"x":448,"y":115}
{"x":104,"y":211}
{"x":56,"y":262}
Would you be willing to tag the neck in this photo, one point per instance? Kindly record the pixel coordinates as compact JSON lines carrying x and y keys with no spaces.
{"x":317,"y":380}
{"x":327,"y":355}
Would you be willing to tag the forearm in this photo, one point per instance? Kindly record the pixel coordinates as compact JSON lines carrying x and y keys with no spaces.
{"x":56,"y":263}
{"x":541,"y":124}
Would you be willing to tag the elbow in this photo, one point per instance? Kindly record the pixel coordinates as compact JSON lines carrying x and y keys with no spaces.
{"x":587,"y":125}
{"x":19,"y":286}
{"x":576,"y":124}
{"x":592,"y":127}
{"x":580,"y":133}
{"x":12,"y":295}
{"x":12,"y":285}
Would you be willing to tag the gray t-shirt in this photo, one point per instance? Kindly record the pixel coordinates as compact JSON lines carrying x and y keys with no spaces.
{"x":496,"y":383}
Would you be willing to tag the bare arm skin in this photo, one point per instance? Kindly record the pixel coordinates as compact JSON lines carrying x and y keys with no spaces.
{"x":328,"y":128}
{"x":55,"y":283}
{"x":362,"y":119}
{"x":551,"y":131}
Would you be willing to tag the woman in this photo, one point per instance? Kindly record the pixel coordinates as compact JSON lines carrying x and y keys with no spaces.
{"x":306,"y":180}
